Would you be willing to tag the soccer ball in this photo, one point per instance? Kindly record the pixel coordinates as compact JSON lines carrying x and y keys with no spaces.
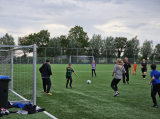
{"x":88,"y":81}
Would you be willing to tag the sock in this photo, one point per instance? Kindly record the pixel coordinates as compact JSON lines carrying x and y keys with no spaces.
{"x":155,"y":103}
{"x":135,"y":72}
{"x":144,"y":76}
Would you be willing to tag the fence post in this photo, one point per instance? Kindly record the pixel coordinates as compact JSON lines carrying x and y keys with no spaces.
{"x":34,"y":73}
{"x":45,"y":55}
{"x":53,"y":60}
{"x":61,"y":55}
{"x":77,"y":55}
{"x":106,"y":56}
{"x":11,"y":70}
{"x":92,"y":51}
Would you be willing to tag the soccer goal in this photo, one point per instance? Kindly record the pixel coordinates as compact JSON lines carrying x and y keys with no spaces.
{"x":19,"y":63}
{"x":81,"y":59}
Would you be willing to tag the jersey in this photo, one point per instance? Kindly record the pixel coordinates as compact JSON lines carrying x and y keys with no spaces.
{"x":144,"y":65}
{"x":118,"y":71}
{"x":127,"y":65}
{"x":134,"y":66}
{"x":93,"y":65}
{"x":69,"y":72}
{"x":156,"y":75}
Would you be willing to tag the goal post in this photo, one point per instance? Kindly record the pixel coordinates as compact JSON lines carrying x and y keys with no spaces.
{"x":81,"y":59}
{"x":14,"y":62}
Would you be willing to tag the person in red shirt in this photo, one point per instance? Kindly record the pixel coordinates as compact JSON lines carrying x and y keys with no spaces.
{"x":134,"y":68}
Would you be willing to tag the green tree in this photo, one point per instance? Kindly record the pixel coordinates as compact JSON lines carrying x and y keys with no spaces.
{"x":73,"y":44}
{"x":96,"y":43}
{"x":64,"y":41}
{"x":7,"y":40}
{"x":157,"y":52}
{"x":132,"y":48}
{"x":56,"y":50}
{"x":147,"y":49}
{"x":79,"y":35}
{"x":120,"y":44}
{"x":41,"y":39}
{"x":109,"y":47}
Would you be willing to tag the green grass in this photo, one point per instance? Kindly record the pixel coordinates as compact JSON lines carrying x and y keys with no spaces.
{"x":95,"y":100}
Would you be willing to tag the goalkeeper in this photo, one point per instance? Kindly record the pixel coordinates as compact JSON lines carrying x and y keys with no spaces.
{"x":45,"y":71}
{"x":69,"y":75}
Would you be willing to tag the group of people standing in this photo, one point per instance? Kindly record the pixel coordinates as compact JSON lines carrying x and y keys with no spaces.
{"x":121,"y":70}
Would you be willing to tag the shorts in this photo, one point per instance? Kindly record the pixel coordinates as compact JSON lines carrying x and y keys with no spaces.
{"x":144,"y":70}
{"x":69,"y":77}
{"x":134,"y":69}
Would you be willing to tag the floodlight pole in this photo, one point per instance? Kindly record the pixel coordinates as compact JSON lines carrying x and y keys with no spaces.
{"x":11,"y":70}
{"x":34,"y":73}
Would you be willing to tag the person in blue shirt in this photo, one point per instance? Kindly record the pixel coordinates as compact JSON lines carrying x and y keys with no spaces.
{"x":155,"y":84}
{"x":94,"y":68}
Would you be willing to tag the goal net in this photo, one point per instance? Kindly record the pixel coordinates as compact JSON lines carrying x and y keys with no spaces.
{"x":19,"y":63}
{"x":81,"y":59}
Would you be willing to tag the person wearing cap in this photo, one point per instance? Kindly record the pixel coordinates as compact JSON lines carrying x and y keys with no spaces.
{"x":45,"y":71}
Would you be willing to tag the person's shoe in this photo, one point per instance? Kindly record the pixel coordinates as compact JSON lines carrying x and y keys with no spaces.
{"x":143,"y":78}
{"x":124,"y":83}
{"x":155,"y":106}
{"x":115,"y":94}
{"x":49,"y":93}
{"x":92,"y":76}
{"x":66,"y":86}
{"x":128,"y":82}
{"x":95,"y":76}
{"x":70,"y":86}
{"x":133,"y":74}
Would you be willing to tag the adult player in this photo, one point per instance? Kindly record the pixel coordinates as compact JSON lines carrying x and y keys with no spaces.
{"x":155,"y":84}
{"x":118,"y":70}
{"x":94,"y":68}
{"x":69,"y":75}
{"x":144,"y":67}
{"x":127,"y":66}
{"x":45,"y":71}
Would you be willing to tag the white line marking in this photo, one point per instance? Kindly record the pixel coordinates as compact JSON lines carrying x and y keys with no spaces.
{"x":53,"y":117}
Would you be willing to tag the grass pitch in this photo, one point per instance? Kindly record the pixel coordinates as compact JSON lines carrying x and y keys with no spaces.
{"x":95,"y":100}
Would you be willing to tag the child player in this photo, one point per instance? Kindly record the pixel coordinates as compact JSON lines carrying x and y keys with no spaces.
{"x":155,"y":84}
{"x":134,"y":68}
{"x":118,"y":70}
{"x":93,"y":68}
{"x":69,"y":75}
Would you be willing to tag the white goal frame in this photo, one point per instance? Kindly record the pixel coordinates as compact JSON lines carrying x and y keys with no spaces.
{"x":11,"y":63}
{"x":70,"y":61}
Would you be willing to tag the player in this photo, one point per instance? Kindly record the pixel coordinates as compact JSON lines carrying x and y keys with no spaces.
{"x":127,"y":66}
{"x":134,"y":68}
{"x":155,"y":84}
{"x":118,"y":70}
{"x":144,"y":68}
{"x":69,"y":75}
{"x":94,"y":68}
{"x":45,"y":71}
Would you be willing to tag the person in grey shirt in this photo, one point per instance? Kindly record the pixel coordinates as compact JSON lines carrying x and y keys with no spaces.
{"x":118,"y":71}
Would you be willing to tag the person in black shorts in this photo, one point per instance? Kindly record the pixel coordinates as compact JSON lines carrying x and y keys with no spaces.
{"x":127,"y":66}
{"x":69,"y":75}
{"x":144,"y":67}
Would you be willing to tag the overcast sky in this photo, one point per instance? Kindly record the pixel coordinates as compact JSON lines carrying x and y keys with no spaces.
{"x":126,"y":18}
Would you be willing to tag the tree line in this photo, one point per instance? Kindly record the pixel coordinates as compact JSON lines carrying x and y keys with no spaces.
{"x":109,"y":47}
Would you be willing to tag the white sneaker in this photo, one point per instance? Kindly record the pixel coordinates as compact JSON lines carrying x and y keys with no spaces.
{"x":115,"y":94}
{"x":143,"y":78}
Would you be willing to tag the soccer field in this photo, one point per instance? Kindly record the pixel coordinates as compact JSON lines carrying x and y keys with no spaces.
{"x":95,"y":100}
